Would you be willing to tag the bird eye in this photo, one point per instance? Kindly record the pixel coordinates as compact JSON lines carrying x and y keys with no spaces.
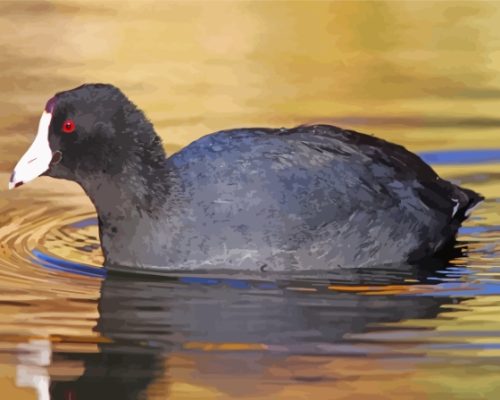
{"x":68,"y":126}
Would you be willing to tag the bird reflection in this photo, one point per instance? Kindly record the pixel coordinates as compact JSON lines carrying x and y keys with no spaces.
{"x":144,"y":320}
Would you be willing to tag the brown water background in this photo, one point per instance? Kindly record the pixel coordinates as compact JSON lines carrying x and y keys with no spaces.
{"x":423,"y":74}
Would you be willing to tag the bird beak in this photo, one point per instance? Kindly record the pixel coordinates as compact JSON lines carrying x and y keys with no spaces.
{"x":38,"y":157}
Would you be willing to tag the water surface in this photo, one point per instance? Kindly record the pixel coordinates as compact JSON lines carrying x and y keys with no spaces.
{"x":419,"y":73}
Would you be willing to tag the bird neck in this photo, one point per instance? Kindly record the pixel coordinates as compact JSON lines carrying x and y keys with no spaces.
{"x":132,"y":204}
{"x":137,"y":188}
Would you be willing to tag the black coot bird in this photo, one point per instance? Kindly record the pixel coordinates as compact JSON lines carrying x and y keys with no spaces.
{"x":312,"y":197}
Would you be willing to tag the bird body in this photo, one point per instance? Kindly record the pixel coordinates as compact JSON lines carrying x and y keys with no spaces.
{"x":309,"y":198}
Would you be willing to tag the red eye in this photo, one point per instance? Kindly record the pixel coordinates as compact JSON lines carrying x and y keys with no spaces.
{"x":68,"y":126}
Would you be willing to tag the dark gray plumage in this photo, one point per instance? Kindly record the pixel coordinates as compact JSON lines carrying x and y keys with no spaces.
{"x":311,"y":197}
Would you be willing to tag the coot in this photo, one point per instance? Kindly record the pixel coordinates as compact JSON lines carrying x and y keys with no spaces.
{"x":306,"y":198}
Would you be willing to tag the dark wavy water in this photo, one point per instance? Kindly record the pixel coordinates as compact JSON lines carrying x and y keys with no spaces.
{"x":70,"y":331}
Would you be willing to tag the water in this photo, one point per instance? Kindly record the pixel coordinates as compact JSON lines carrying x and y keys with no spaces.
{"x":422,"y":74}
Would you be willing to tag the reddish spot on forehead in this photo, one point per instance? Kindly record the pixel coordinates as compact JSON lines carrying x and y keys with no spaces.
{"x":51,"y":104}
